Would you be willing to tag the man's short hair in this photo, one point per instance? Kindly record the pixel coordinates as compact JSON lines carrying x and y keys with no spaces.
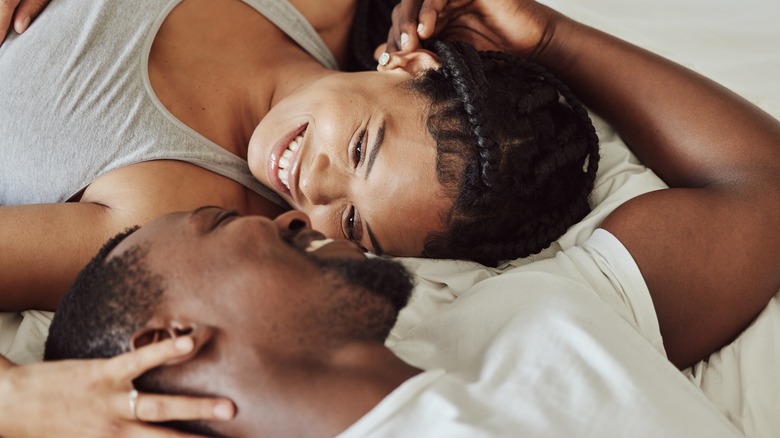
{"x":106,"y":304}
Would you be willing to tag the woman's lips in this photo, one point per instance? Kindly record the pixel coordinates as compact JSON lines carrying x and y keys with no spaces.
{"x":277,"y":153}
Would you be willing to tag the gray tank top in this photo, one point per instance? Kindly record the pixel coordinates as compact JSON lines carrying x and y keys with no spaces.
{"x":76,"y":101}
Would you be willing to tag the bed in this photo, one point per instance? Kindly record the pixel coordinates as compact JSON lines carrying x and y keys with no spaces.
{"x":735,"y":44}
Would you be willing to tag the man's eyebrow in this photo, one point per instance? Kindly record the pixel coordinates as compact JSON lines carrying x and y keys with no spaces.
{"x":205,"y":207}
{"x":380,"y":138}
{"x":377,"y":249}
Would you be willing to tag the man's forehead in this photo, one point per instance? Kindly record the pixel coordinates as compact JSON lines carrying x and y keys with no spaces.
{"x":152,"y":232}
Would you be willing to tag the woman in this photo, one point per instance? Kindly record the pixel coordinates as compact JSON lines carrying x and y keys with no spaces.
{"x":154,"y":108}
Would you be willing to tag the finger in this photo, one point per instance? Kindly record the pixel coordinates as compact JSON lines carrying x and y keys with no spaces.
{"x":405,"y":25}
{"x":427,"y":17}
{"x":380,"y":49}
{"x":158,"y":408}
{"x":392,"y":34}
{"x":7,"y":8}
{"x":26,"y":12}
{"x":133,"y":364}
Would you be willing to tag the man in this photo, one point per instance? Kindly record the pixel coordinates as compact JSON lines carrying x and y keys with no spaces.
{"x":291,"y":328}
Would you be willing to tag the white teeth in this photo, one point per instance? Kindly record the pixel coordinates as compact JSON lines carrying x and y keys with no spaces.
{"x":314,"y":245}
{"x":286,"y":159}
{"x":284,"y":176}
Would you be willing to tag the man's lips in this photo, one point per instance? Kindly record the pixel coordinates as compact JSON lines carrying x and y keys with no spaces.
{"x":292,"y":168}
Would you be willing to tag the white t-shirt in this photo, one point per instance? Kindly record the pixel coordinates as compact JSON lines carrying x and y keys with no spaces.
{"x":568,"y":346}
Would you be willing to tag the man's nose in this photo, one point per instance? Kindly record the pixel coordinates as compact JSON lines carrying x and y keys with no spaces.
{"x":322,"y":182}
{"x":293,"y":220}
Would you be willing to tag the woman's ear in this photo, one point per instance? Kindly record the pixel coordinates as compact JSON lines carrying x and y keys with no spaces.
{"x":157,"y":331}
{"x":413,"y":63}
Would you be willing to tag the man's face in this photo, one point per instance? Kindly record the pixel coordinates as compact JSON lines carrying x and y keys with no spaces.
{"x":265,"y":285}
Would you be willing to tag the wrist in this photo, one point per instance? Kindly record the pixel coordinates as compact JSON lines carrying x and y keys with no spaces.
{"x":548,"y":35}
{"x":564,"y":45}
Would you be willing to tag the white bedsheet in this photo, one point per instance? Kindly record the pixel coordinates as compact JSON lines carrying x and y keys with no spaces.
{"x":735,"y":43}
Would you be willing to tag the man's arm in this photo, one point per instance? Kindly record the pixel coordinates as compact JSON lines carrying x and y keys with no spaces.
{"x":709,"y":248}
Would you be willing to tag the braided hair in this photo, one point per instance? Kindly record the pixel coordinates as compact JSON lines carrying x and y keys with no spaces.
{"x":516,"y":150}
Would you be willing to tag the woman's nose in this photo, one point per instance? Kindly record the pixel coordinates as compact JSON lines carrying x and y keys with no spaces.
{"x":322,"y":182}
{"x":293,"y":220}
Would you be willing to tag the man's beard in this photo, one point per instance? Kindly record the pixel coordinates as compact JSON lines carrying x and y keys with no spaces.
{"x":378,"y":290}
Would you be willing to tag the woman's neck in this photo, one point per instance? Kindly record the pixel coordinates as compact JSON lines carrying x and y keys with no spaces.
{"x":333,"y":20}
{"x":221,"y":82}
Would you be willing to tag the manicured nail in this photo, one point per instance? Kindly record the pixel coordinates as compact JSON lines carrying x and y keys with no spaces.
{"x":420,"y":28}
{"x":404,"y":39}
{"x":24,"y":26}
{"x":223,"y":411}
{"x":384,"y":58}
{"x":184,"y":344}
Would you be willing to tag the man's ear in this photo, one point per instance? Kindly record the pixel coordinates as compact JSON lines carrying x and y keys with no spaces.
{"x":158,"y":331}
{"x":413,"y":63}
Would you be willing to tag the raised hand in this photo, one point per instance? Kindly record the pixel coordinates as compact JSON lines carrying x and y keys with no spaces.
{"x":517,"y":26}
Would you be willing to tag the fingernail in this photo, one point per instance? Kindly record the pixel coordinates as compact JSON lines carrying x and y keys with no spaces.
{"x":404,"y":39}
{"x":184,"y":344}
{"x":223,"y":411}
{"x":384,"y":58}
{"x":420,"y":28}
{"x":24,"y":25}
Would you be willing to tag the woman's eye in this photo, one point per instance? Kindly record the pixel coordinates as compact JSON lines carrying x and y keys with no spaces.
{"x":351,"y":224}
{"x":358,"y":155}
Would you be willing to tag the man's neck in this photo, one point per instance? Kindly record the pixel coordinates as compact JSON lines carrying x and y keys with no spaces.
{"x":322,"y":398}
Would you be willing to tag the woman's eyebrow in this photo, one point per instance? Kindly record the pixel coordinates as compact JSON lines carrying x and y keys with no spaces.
{"x":378,"y":141}
{"x":377,"y":249}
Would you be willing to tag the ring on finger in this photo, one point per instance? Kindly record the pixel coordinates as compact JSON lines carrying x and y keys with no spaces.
{"x":384,"y":58}
{"x":132,"y":398}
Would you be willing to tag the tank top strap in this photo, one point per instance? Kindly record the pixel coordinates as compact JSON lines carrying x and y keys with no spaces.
{"x":287,"y":18}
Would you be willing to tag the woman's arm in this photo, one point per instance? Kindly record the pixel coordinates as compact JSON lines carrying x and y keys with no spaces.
{"x":708,"y":248}
{"x":18,"y":14}
{"x":45,"y":246}
{"x":83,"y":398}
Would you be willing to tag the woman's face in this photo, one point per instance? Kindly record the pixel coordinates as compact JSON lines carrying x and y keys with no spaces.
{"x":352,"y":151}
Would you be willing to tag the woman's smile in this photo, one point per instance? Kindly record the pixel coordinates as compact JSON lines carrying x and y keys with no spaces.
{"x":284,"y":161}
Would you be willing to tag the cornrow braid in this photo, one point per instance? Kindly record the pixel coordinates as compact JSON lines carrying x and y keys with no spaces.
{"x":469,"y":84}
{"x":527,"y":153}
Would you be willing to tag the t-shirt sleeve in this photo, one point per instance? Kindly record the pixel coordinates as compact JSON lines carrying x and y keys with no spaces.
{"x":619,"y":282}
